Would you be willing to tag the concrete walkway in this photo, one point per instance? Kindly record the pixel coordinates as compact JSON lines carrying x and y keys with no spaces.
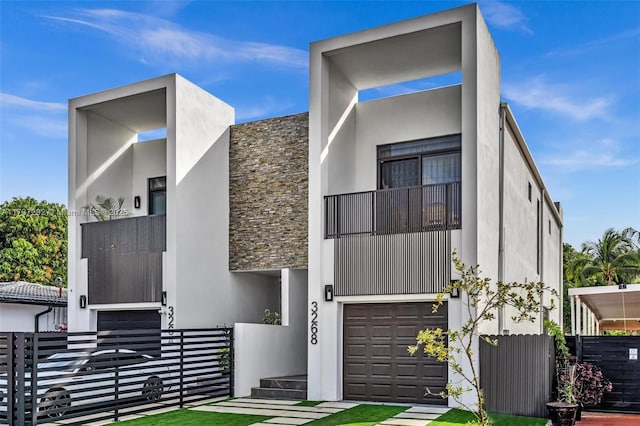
{"x":288,"y":413}
{"x":415,"y":416}
{"x":282,"y":412}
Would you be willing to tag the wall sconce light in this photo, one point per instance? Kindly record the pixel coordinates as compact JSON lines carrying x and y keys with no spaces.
{"x":83,"y":301}
{"x":328,"y":293}
{"x":622,"y":286}
{"x":163,"y":301}
{"x":455,"y":291}
{"x":136,"y":201}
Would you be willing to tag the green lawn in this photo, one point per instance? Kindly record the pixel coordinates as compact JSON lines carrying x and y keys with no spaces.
{"x":360,"y":415}
{"x":459,"y":417}
{"x":196,"y":418}
{"x":308,"y":403}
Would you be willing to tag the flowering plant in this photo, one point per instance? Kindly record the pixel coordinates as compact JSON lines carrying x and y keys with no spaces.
{"x":590,"y":384}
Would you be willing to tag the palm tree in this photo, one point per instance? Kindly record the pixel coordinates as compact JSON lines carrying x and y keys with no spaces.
{"x":614,"y":257}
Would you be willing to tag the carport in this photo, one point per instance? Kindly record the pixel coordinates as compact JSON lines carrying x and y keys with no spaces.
{"x":594,"y":309}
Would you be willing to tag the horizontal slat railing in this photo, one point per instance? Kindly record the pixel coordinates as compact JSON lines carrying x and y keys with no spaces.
{"x":182,"y":366}
{"x":394,"y":211}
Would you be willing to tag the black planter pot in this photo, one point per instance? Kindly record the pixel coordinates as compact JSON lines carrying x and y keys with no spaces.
{"x":579,"y":413}
{"x":562,"y":413}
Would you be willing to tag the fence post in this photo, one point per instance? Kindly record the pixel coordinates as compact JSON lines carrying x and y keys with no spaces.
{"x":231,"y":363}
{"x":19,"y":378}
{"x":116,"y":412}
{"x":34,"y":380}
{"x":181,"y":368}
{"x":11,"y":379}
{"x":578,"y":348}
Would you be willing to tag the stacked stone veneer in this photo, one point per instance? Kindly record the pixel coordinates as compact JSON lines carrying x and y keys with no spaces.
{"x":268,"y":193}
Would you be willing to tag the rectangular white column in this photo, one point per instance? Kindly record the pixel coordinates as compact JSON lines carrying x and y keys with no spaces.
{"x":572,"y":302}
{"x":578,"y":316}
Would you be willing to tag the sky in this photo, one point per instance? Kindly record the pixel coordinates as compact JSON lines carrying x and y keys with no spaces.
{"x":570,"y":72}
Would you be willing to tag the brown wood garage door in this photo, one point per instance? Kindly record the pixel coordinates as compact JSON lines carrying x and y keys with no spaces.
{"x":377,"y":366}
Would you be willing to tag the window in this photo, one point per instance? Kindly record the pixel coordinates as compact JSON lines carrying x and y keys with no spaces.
{"x":423,"y":162}
{"x":549,"y":227}
{"x":529,"y":191}
{"x":158,"y":195}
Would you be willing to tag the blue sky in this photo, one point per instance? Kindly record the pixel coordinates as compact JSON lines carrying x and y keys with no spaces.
{"x":570,"y":71}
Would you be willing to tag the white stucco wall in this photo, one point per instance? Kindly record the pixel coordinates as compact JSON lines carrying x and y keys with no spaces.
{"x":104,"y":159}
{"x":15,"y":317}
{"x":149,"y":161}
{"x":263,"y":351}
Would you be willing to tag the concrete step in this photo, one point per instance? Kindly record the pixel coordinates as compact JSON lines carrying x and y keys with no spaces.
{"x":279,"y":393}
{"x":293,"y":382}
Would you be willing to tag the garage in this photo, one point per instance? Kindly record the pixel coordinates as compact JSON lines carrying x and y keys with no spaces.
{"x":148,"y":340}
{"x":377,"y":366}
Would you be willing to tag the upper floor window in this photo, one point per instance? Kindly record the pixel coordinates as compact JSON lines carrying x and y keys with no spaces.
{"x":158,"y":195}
{"x":422,"y":162}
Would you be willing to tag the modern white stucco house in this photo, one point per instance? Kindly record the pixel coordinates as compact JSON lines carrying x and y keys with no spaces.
{"x":344,"y":222}
{"x":397,"y":184}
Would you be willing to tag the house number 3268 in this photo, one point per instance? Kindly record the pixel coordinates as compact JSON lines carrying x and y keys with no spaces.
{"x":314,"y":323}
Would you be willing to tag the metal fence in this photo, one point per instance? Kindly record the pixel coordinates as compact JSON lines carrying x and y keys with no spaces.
{"x":617,"y":357}
{"x":77,"y":377}
{"x":394,"y":211}
{"x":517,"y":374}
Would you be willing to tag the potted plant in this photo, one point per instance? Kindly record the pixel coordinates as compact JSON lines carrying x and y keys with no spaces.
{"x":590,"y":386}
{"x":563,"y":411}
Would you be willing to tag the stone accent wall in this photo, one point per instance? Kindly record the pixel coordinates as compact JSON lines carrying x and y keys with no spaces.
{"x":268,"y":193}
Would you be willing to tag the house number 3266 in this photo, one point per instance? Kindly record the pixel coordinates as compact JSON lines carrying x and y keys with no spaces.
{"x":314,"y":323}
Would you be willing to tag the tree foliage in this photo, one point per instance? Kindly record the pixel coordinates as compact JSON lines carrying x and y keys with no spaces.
{"x":33,"y":241}
{"x":482,"y":300}
{"x":612,"y":259}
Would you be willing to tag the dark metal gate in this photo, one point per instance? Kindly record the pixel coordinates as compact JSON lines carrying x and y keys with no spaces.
{"x":77,"y":377}
{"x":616,"y":356}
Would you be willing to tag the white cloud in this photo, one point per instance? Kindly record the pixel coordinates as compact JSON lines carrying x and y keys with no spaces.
{"x":41,"y":125}
{"x":604,"y":153}
{"x":162,"y":40}
{"x":505,"y":15}
{"x":537,"y":93}
{"x":7,"y":99}
{"x":45,"y":119}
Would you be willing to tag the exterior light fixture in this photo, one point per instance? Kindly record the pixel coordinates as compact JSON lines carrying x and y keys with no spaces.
{"x":328,"y":293}
{"x":622,"y":286}
{"x":163,"y":300}
{"x":455,"y":291}
{"x":83,"y":301}
{"x":136,"y":201}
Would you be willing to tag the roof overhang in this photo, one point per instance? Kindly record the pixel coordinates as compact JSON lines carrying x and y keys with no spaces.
{"x":612,"y":304}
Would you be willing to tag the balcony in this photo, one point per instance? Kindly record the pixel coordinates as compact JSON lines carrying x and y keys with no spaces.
{"x":125,"y":259}
{"x":394,"y":211}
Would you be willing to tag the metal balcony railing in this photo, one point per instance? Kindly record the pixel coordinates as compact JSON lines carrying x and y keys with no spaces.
{"x":394,"y":211}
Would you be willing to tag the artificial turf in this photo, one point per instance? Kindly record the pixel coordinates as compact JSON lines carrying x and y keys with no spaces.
{"x":196,"y":418}
{"x":360,"y":415}
{"x":308,"y":403}
{"x":456,"y":417}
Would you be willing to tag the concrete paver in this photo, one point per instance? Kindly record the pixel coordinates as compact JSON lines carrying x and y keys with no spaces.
{"x":287,"y":421}
{"x":426,"y":409}
{"x":234,"y":403}
{"x":418,"y":416}
{"x":261,"y":411}
{"x":267,"y":401}
{"x":343,"y":405}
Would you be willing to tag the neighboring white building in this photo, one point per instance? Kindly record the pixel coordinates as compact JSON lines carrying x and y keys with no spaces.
{"x":219,"y":216}
{"x":397,"y":184}
{"x":28,"y":307}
